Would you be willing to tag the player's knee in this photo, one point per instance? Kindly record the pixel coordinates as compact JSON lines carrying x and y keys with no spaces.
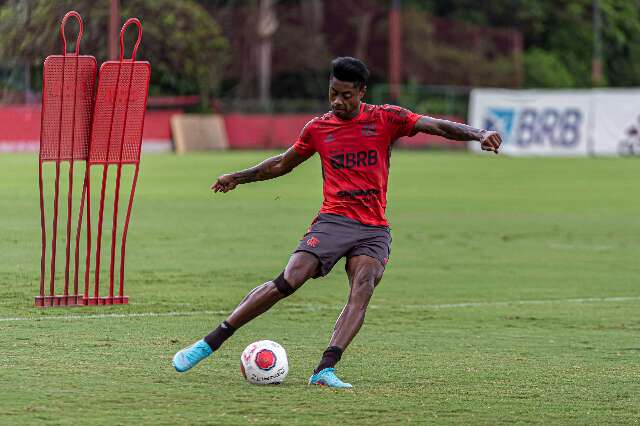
{"x":298,"y":272}
{"x":300,"y":268}
{"x":377,"y":276}
{"x":283,"y":286}
{"x":362,"y":288}
{"x":368,"y":277}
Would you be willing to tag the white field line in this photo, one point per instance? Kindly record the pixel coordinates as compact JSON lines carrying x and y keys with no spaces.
{"x":101,"y":316}
{"x":320,"y":307}
{"x":528,"y":302}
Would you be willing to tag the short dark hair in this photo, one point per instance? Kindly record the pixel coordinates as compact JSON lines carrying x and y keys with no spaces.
{"x":350,"y":69}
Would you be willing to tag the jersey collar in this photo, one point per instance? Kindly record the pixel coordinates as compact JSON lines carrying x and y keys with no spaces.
{"x":362,"y":105}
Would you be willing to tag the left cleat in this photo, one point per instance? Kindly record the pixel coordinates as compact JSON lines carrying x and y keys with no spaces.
{"x":188,"y":357}
{"x":328,"y":378}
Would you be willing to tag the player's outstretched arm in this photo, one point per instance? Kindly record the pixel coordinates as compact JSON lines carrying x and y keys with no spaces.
{"x":489,"y":140}
{"x":270,"y":168}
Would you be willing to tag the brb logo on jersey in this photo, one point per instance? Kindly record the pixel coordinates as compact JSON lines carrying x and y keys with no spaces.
{"x":351,"y":160}
{"x":555,"y":127}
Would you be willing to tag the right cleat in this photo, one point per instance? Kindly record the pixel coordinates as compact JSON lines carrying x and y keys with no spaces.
{"x":328,"y":378}
{"x":188,"y":357}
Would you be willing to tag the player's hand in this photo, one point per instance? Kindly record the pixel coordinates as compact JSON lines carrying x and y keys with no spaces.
{"x":490,"y":141}
{"x":225,"y":183}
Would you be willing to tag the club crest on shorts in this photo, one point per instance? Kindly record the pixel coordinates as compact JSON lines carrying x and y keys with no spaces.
{"x":313,"y":242}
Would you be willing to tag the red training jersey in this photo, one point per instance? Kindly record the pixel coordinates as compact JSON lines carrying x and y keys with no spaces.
{"x":355,"y":158}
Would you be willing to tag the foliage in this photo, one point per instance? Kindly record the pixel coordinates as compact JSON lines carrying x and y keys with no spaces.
{"x":184,"y":44}
{"x":471,"y":58}
{"x":181,"y":40}
{"x":545,"y":69}
{"x":190,"y":42}
{"x":622,"y":42}
{"x":564,"y":30}
{"x":31,"y":29}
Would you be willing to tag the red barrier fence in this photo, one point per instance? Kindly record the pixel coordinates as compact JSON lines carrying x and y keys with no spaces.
{"x":250,"y":131}
{"x":21,"y":131}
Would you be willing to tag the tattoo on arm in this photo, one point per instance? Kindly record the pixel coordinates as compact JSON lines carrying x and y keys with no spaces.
{"x":268,"y":169}
{"x":448,"y":129}
{"x":272,"y":167}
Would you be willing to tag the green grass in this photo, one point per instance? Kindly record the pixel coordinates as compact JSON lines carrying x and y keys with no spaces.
{"x":511,"y":297}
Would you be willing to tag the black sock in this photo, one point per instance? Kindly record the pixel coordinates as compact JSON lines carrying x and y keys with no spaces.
{"x":330,"y":358}
{"x":216,"y":338}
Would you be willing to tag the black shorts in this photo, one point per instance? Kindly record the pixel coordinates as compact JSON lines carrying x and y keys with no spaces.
{"x":332,"y":236}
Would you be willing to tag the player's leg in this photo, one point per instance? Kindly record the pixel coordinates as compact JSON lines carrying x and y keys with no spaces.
{"x":364,"y":274}
{"x":301,"y":267}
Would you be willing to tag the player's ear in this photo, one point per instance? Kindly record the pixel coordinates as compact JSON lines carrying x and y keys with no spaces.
{"x":362,"y":91}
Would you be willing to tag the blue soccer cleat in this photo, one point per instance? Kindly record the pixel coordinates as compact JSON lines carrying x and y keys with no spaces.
{"x":328,"y":378}
{"x":188,"y":357}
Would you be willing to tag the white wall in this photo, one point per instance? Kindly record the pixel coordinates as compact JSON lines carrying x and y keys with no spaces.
{"x":560,"y":122}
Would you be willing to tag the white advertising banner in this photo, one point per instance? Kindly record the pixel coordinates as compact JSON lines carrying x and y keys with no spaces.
{"x":535,"y":122}
{"x":617,"y":122}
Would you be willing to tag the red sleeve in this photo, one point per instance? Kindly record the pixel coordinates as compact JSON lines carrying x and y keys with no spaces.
{"x":399,"y":121}
{"x":304,"y":145}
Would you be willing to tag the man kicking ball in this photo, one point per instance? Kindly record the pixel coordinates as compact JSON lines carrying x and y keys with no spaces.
{"x":354,"y":142}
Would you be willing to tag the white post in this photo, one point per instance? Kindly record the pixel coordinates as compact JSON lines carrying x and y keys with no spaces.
{"x":267,"y":26}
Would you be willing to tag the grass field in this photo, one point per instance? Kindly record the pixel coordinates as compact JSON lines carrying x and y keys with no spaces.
{"x":512,"y":296}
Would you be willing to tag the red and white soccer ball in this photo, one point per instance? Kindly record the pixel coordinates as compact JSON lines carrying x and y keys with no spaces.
{"x":264,"y":363}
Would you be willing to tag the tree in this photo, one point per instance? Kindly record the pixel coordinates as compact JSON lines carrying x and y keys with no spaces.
{"x":180,"y":39}
{"x":184,"y":45}
{"x":560,"y":33}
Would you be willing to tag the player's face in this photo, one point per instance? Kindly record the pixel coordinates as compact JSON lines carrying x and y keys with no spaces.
{"x":345,"y":98}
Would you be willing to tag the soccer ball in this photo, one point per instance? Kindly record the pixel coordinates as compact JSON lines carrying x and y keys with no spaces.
{"x":264,"y":363}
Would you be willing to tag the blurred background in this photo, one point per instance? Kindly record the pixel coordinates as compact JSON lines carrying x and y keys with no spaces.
{"x":261,"y":66}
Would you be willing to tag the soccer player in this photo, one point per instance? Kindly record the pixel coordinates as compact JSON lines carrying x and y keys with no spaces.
{"x":354,"y":142}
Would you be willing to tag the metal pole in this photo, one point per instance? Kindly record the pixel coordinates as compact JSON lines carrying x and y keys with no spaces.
{"x":29,"y":97}
{"x":267,"y":26}
{"x":114,"y":23}
{"x":395,"y":50}
{"x":596,"y":63}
